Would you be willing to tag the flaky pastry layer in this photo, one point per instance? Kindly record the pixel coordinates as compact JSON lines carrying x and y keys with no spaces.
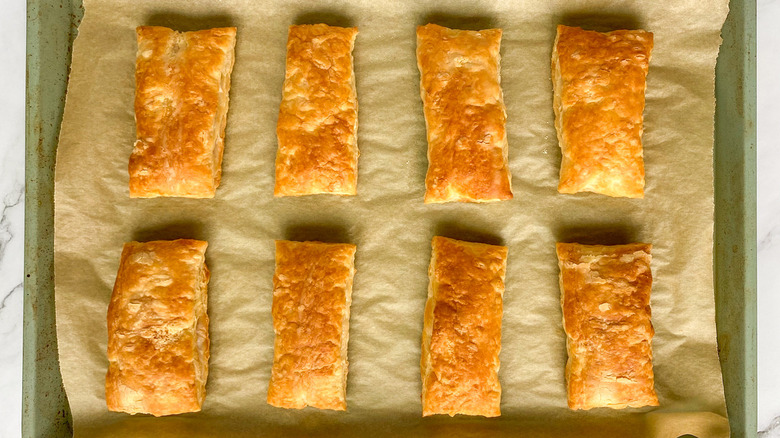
{"x":317,"y":126}
{"x":181,"y":104}
{"x":599,"y":96}
{"x":462,"y":329}
{"x":312,"y":296}
{"x":605,"y":295}
{"x":465,"y":116}
{"x":158,"y":339}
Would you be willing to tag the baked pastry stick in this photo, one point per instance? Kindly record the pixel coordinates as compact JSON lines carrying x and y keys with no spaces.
{"x":462,"y":331}
{"x":158,"y":329}
{"x":599,"y":95}
{"x":312,"y":295}
{"x":464,"y":113}
{"x":182,"y":80}
{"x":317,"y":127}
{"x":605,"y":294}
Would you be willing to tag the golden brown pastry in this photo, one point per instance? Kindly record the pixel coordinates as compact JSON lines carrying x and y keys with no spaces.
{"x":462,"y":331}
{"x":605,"y":294}
{"x":312,"y":295}
{"x":182,"y":80}
{"x":317,"y":127}
{"x":158,"y":329}
{"x":599,"y":95}
{"x":464,"y":113}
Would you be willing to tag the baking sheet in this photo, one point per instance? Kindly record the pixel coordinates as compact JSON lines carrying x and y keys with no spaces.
{"x":389,"y":223}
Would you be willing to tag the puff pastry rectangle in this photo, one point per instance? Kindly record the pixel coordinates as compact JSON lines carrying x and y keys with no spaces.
{"x":158,"y":329}
{"x":605,"y":295}
{"x":182,"y":80}
{"x":317,"y":127}
{"x":312,"y":295}
{"x":464,"y":113}
{"x":462,"y":330}
{"x":599,"y":97}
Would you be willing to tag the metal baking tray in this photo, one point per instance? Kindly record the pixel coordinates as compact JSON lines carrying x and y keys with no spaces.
{"x":51,"y":29}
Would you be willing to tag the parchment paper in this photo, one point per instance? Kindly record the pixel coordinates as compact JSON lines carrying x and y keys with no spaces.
{"x":389,"y":222}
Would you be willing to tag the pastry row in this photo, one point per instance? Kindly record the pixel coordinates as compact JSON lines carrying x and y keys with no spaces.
{"x":183,"y":83}
{"x":158,"y":327}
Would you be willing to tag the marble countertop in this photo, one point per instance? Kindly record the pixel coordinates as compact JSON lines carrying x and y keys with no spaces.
{"x":12,"y":93}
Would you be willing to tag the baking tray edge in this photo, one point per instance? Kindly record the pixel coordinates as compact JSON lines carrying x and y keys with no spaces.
{"x":735,"y":215}
{"x":51,"y":28}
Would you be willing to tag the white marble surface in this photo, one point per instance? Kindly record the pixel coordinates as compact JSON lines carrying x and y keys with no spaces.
{"x":12,"y":77}
{"x":12,"y":83}
{"x":768,"y":216}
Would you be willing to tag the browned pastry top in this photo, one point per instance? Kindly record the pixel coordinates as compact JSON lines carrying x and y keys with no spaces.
{"x":463,"y":319}
{"x":317,"y":124}
{"x":312,"y":293}
{"x":606,"y":312}
{"x":599,"y":80}
{"x":158,"y":345}
{"x":182,"y":85}
{"x":464,"y":113}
